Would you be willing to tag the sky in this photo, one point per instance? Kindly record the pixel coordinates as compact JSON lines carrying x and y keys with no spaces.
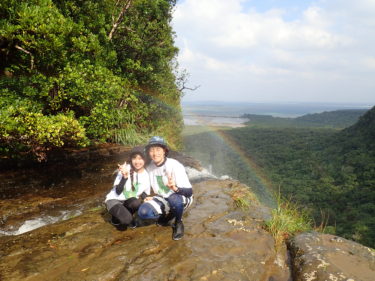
{"x":277,"y":50}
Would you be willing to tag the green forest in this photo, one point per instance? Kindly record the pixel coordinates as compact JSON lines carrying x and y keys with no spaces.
{"x":76,"y":73}
{"x":329,"y":172}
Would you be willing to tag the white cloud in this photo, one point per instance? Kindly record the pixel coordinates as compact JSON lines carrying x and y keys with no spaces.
{"x":316,"y":16}
{"x":186,"y":54}
{"x":369,"y":62}
{"x":330,"y":41}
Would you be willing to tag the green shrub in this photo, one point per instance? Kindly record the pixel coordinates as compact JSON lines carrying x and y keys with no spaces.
{"x":287,"y":220}
{"x":24,"y":130}
{"x":69,"y":82}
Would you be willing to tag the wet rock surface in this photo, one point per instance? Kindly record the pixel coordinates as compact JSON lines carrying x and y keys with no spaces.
{"x":69,"y":184}
{"x":220,"y":243}
{"x":319,"y":256}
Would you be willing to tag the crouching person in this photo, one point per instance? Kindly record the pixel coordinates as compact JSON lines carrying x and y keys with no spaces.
{"x":171,"y":185}
{"x":131,"y":185}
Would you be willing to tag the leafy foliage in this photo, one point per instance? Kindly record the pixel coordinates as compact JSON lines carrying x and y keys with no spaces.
{"x":37,"y":131}
{"x":58,"y":61}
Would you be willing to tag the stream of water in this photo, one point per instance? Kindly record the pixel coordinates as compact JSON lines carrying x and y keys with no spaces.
{"x":39,"y":196}
{"x":32,"y":197}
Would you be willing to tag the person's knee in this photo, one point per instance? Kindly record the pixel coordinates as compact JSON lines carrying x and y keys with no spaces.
{"x":132,"y":204}
{"x":126,"y":220}
{"x":146,"y":211}
{"x":175,"y":201}
{"x":142,"y":211}
{"x":121,"y":213}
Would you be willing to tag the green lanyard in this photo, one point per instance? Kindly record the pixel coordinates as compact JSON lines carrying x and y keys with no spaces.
{"x":130,"y":193}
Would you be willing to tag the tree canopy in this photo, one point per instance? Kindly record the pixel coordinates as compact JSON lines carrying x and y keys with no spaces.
{"x":331,"y":172}
{"x":328,"y":171}
{"x":80,"y":72}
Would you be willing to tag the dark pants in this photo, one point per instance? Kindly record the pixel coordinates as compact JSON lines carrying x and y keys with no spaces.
{"x":146,"y":211}
{"x":124,"y":210}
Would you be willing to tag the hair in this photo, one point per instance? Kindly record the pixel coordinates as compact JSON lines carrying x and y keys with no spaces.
{"x":166,"y":149}
{"x":132,"y":170}
{"x":132,"y":178}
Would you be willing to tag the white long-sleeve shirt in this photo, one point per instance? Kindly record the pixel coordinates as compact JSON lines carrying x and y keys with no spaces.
{"x":141,"y":183}
{"x":159,"y":176}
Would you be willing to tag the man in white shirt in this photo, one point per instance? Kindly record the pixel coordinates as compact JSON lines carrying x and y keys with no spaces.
{"x":171,"y":185}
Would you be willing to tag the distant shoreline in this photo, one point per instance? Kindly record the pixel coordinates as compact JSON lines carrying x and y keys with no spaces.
{"x":218,"y":125}
{"x":233,"y":109}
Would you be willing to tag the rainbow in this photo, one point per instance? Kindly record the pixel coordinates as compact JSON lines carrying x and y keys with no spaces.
{"x":259,"y":182}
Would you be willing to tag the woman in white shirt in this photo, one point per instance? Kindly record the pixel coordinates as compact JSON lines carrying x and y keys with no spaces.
{"x":131,"y":186}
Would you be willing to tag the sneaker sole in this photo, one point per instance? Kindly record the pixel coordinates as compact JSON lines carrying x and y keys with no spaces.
{"x":177,"y":238}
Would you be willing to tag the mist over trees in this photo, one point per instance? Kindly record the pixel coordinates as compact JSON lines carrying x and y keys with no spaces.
{"x":77,"y":72}
{"x":329,"y":172}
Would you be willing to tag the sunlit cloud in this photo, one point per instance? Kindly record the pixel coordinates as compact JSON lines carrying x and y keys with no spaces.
{"x":233,"y":39}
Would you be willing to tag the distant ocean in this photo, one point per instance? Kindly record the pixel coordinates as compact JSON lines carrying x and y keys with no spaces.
{"x":210,"y":112}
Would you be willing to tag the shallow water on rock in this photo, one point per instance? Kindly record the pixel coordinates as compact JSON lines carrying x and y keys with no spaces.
{"x":55,"y":227}
{"x":220,"y":243}
{"x":44,"y":194}
{"x":32,"y":197}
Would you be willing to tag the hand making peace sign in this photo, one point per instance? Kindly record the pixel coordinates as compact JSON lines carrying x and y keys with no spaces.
{"x":124,"y":170}
{"x":171,"y":182}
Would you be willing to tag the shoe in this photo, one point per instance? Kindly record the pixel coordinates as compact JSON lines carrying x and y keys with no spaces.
{"x":178,"y":231}
{"x":164,"y":220}
{"x":133,"y":224}
{"x":143,"y":222}
{"x":121,"y":227}
{"x":115,"y":221}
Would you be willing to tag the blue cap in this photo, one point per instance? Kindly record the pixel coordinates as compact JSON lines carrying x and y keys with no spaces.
{"x":157,"y":141}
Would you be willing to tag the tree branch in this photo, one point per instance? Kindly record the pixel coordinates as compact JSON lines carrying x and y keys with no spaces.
{"x":119,"y":18}
{"x":27,"y":52}
{"x":182,"y":79}
{"x":188,"y":88}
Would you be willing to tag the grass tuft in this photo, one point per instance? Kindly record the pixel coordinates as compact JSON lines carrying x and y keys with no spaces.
{"x":287,"y":220}
{"x":242,"y":196}
{"x":129,"y":136}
